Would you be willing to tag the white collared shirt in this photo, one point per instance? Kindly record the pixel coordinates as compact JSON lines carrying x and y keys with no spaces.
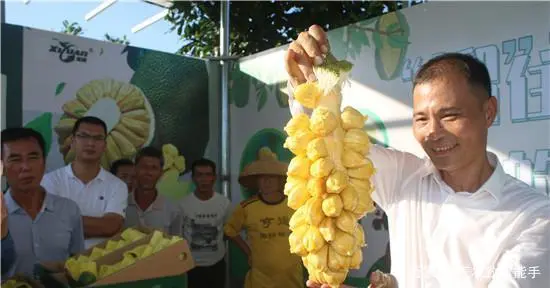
{"x":161,"y":215}
{"x":104,"y":194}
{"x":497,"y":237}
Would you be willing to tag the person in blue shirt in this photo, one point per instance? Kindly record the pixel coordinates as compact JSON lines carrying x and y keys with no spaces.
{"x":44,"y":227}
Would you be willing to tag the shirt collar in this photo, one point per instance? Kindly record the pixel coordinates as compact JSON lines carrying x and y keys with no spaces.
{"x":158,"y":204}
{"x":493,"y":185}
{"x":13,"y":207}
{"x":69,"y":170}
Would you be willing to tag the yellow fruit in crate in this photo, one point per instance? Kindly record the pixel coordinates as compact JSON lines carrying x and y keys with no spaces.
{"x":308,"y":94}
{"x":124,"y":109}
{"x":15,"y":284}
{"x":299,"y":122}
{"x":325,"y":232}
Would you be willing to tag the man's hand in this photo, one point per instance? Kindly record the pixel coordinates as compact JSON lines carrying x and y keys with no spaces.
{"x":310,"y":48}
{"x":4,"y":220}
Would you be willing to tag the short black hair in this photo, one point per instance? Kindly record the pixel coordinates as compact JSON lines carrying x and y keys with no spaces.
{"x":20,"y":133}
{"x":150,"y":151}
{"x":119,"y":163}
{"x":201,"y":163}
{"x":475,"y":71}
{"x":90,"y":120}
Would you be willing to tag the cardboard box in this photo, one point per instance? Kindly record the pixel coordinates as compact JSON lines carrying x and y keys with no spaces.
{"x":31,"y":282}
{"x":164,"y":269}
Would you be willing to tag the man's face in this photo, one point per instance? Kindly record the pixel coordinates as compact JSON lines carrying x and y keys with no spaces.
{"x":126,"y":173}
{"x":204,"y":178}
{"x":89,"y":142}
{"x":451,"y":121}
{"x":23,"y":163}
{"x":148,"y":172}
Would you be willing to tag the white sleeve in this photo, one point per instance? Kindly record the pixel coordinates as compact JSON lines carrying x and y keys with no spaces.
{"x":119,"y":199}
{"x":50,"y":184}
{"x":393,"y":167}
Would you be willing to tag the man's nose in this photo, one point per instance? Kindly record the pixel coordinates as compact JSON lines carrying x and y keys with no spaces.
{"x":435,"y":130}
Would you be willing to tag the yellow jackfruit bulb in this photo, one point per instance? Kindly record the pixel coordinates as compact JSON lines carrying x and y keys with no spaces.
{"x":337,"y":181}
{"x":346,"y":222}
{"x":349,"y":198}
{"x":318,"y":260}
{"x":316,"y":149}
{"x":356,"y":259}
{"x":364,"y":205}
{"x":179,"y":162}
{"x":313,"y":240}
{"x":352,"y":119}
{"x":357,"y":140}
{"x":300,"y":122}
{"x":322,"y":121}
{"x":332,"y":205}
{"x":296,"y":240}
{"x":298,"y":218}
{"x":298,"y":197}
{"x":299,"y":167}
{"x":360,"y":185}
{"x":308,"y":94}
{"x":314,"y":212}
{"x":328,"y":229}
{"x":316,"y":187}
{"x":353,"y":159}
{"x":359,"y":235}
{"x":297,"y":144}
{"x":362,"y":172}
{"x":322,"y":167}
{"x":344,"y":243}
{"x":294,"y":183}
{"x":334,"y":278}
{"x":337,"y":262}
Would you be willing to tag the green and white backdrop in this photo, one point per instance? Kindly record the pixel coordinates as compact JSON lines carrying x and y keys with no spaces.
{"x":51,"y":79}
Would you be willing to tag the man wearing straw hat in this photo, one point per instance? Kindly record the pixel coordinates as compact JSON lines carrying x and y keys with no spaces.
{"x":265,"y":218}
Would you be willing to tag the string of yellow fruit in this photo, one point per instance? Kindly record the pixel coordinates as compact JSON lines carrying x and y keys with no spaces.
{"x":328,"y":181}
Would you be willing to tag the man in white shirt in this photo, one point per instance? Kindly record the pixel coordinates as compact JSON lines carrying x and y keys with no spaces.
{"x":455,"y":219}
{"x":204,"y":215}
{"x":101,"y":196}
{"x":146,"y":207}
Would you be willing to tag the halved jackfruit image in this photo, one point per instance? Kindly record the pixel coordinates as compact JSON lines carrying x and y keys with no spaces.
{"x":124,"y":108}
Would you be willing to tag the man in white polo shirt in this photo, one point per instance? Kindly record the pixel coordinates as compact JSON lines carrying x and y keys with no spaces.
{"x":101,"y":196}
{"x":146,"y":207}
{"x":455,"y":219}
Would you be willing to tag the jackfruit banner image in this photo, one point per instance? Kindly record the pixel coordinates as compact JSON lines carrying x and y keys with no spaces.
{"x":165,"y":102}
{"x":124,"y":108}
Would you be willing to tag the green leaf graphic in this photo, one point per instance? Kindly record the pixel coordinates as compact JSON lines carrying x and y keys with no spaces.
{"x":262,"y":96}
{"x":398,"y":41}
{"x":43,"y":125}
{"x":377,"y":39}
{"x":59,"y":88}
{"x":392,"y":28}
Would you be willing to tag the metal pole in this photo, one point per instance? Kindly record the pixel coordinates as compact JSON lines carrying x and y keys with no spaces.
{"x":225,"y":135}
{"x":224,"y":52}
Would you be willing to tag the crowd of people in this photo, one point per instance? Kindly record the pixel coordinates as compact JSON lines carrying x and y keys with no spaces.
{"x":49,"y":217}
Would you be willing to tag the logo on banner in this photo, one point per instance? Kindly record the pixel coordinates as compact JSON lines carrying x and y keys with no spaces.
{"x":68,"y":52}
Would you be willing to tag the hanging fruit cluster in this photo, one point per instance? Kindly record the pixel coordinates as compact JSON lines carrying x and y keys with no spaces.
{"x":328,"y":180}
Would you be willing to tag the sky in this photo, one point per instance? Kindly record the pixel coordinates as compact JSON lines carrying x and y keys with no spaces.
{"x":116,"y":20}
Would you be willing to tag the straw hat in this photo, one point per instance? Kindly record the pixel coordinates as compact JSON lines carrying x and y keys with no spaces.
{"x":267,"y":164}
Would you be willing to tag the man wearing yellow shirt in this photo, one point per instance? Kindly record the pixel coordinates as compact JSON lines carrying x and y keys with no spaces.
{"x":265,"y":218}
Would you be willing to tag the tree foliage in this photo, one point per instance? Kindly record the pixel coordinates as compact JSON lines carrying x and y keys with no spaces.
{"x":75,"y":29}
{"x":71,"y":28}
{"x":260,"y":25}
